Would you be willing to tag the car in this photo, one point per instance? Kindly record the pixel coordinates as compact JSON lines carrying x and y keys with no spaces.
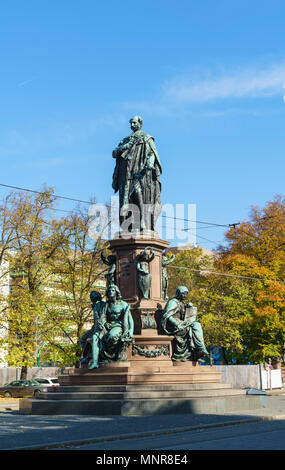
{"x":48,"y":381}
{"x":22,"y":388}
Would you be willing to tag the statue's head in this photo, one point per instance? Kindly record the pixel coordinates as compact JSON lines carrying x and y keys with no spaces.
{"x":182,"y":293}
{"x":112,"y":259}
{"x":95,"y":296}
{"x":136,"y":123}
{"x":146,"y":254}
{"x":113,"y":291}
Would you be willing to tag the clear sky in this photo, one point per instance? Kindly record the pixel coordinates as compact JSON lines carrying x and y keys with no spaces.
{"x":206,"y":76}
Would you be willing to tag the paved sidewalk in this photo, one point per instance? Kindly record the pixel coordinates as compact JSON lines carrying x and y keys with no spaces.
{"x":41,"y":432}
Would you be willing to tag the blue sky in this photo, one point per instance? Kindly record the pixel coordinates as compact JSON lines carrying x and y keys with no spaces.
{"x":207,"y":78}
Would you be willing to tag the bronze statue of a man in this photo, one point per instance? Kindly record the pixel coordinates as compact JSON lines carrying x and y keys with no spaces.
{"x":179,"y":319}
{"x":137,"y":175}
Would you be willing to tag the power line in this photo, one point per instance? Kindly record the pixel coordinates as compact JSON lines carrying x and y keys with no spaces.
{"x":205,"y":271}
{"x":210,"y":224}
{"x":196,"y":235}
{"x":90,"y":202}
{"x":199,"y":222}
{"x":41,"y":192}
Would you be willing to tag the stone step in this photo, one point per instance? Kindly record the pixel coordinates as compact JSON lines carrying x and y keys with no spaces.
{"x":136,"y":377}
{"x":125,"y":388}
{"x":183,"y":368}
{"x":139,"y":395}
{"x":140,"y":407}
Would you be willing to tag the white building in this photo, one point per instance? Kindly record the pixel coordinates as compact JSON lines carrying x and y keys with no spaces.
{"x":4,"y":291}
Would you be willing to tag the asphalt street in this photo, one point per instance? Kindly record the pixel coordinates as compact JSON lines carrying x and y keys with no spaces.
{"x":263,"y":428}
{"x":268,"y":435}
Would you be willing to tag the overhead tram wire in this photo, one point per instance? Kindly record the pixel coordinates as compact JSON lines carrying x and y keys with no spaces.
{"x":41,"y":192}
{"x":213,"y":224}
{"x":206,"y":271}
{"x":200,"y":222}
{"x":210,"y":224}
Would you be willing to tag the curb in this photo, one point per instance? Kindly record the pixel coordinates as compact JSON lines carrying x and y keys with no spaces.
{"x":159,"y":432}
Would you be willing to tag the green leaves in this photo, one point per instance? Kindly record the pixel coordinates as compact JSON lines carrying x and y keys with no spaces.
{"x":53,"y":266}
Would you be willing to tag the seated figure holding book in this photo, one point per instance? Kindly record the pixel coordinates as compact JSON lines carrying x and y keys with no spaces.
{"x":179,"y":319}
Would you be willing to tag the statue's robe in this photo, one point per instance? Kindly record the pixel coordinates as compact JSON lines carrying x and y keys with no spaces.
{"x":188,"y":342}
{"x":137,"y":169}
{"x":117,"y":321}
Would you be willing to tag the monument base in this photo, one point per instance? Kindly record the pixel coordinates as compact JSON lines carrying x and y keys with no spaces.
{"x":142,"y":372}
{"x":133,"y":388}
{"x":142,"y":400}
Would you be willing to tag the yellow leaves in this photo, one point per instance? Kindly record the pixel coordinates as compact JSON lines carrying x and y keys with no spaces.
{"x":264,"y":235}
{"x":266,"y":311}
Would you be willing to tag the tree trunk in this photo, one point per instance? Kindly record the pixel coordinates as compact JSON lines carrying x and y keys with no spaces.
{"x":24,"y":373}
{"x":224,"y":356}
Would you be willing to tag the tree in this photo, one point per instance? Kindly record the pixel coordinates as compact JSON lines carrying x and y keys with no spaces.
{"x":224,"y":300}
{"x":34,"y":242}
{"x":216,"y":304}
{"x":187,"y":270}
{"x":251,"y":287}
{"x":240,"y":295}
{"x":75,"y":271}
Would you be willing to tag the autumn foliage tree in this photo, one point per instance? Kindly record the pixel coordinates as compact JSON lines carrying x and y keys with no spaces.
{"x":216,"y":298}
{"x":75,"y":272}
{"x":248,"y":295}
{"x":34,"y":243}
{"x":53,"y":265}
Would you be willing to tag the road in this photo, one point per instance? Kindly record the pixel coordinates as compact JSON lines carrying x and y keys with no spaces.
{"x":268,"y":435}
{"x":261,"y":429}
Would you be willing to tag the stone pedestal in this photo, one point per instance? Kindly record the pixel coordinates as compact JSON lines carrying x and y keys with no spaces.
{"x":127,"y":251}
{"x":150,"y":346}
{"x":142,"y":373}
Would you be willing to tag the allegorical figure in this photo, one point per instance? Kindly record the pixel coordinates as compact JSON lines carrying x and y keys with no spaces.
{"x":111,"y":274}
{"x":165,"y":262}
{"x":96,"y":300}
{"x":179,"y":319}
{"x":137,"y":176}
{"x":144,"y":276}
{"x":115,"y":329}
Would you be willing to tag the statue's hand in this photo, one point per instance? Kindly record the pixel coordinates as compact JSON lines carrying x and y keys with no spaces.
{"x":125,"y":147}
{"x":143,"y":272}
{"x":126,"y":337}
{"x":184,"y":324}
{"x":100,"y":325}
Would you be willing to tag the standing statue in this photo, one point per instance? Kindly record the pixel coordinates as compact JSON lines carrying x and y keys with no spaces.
{"x":165,"y":262}
{"x":96,"y":300}
{"x":115,"y":329}
{"x":137,"y":176}
{"x":145,"y":257}
{"x":111,"y":274}
{"x":179,"y":319}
